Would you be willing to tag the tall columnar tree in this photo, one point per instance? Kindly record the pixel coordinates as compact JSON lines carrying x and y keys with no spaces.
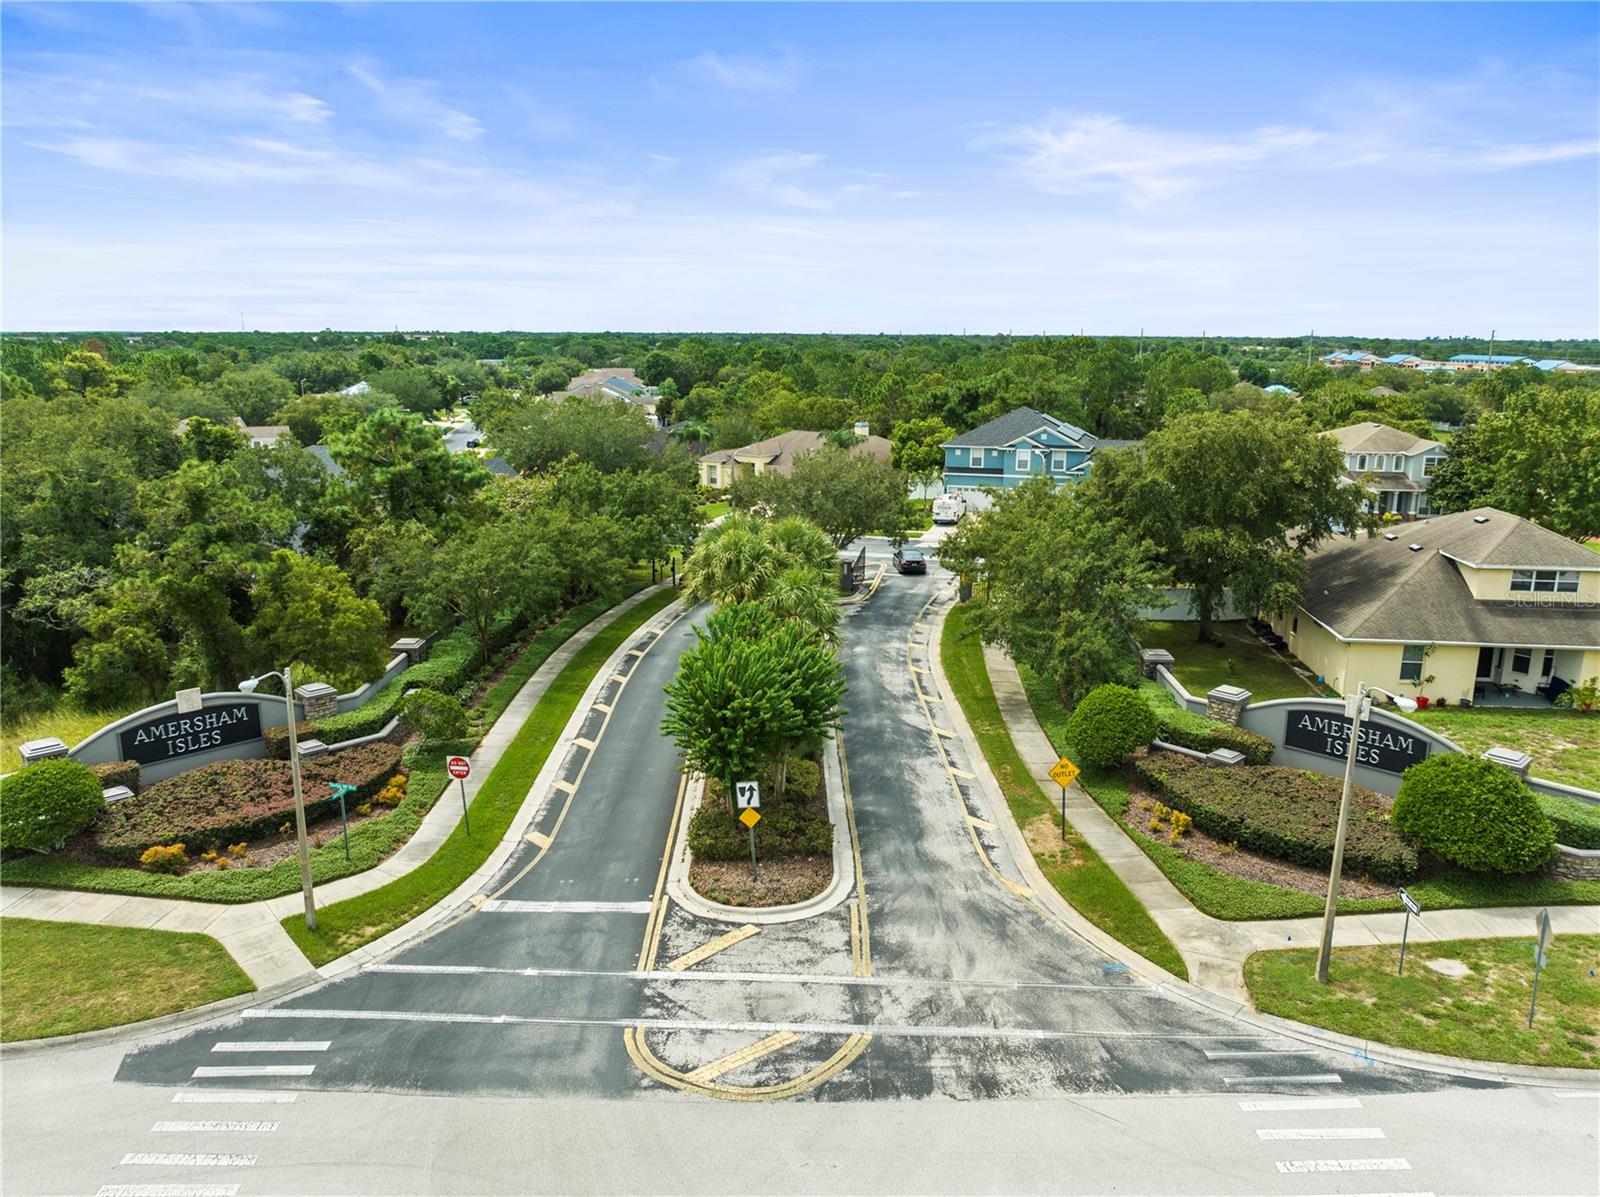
{"x":1233,"y":500}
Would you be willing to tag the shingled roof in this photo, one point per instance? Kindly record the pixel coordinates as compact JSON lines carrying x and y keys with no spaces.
{"x":1000,"y":432}
{"x":1372,"y":437}
{"x":1371,"y":588}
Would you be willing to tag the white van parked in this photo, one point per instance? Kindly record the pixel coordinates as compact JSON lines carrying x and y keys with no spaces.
{"x":948,"y":509}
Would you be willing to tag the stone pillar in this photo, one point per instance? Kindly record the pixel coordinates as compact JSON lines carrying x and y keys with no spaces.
{"x":414,"y":647}
{"x":318,"y":700}
{"x":1150,"y":658}
{"x":1226,"y":704}
{"x":46,"y":749}
{"x":1518,"y":762}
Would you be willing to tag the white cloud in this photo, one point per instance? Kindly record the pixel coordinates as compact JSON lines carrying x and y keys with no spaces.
{"x":786,"y":177}
{"x":745,"y":73}
{"x":413,"y":100}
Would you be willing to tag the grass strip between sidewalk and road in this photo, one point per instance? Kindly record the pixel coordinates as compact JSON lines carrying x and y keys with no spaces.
{"x":63,"y":978}
{"x":345,"y":926}
{"x":1480,"y":1016}
{"x":1073,"y":867}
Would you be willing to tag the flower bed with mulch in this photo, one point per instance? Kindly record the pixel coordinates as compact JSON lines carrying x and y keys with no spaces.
{"x":794,"y":844}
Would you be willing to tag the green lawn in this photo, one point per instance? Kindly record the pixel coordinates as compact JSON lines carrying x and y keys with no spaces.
{"x":1072,"y":866}
{"x":1564,"y":745}
{"x":345,"y":926}
{"x":62,"y":978}
{"x":1483,"y":1016}
{"x":710,"y":511}
{"x":1241,"y":661}
{"x":1224,"y":896}
{"x":66,"y":722}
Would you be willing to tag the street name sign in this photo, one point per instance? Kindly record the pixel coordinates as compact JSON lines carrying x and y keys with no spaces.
{"x":746,"y":795}
{"x":1409,"y":902}
{"x":1064,"y":772}
{"x":460,"y":768}
{"x":1542,"y":948}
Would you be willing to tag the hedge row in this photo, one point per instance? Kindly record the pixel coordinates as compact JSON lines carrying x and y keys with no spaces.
{"x":1183,"y":727}
{"x":217,"y":805}
{"x":1577,"y":824}
{"x":117,"y":773}
{"x":1290,"y":814}
{"x":796,"y":826}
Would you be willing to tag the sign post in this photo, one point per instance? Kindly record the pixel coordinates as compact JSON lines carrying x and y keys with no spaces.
{"x":342,"y":788}
{"x":747,"y":798}
{"x":1540,"y":950}
{"x":461,"y":769}
{"x":1063,"y":773}
{"x":1412,"y":908}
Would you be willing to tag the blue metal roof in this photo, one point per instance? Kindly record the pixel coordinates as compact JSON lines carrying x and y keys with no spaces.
{"x":1278,"y":388}
{"x":1495,"y":359}
{"x":1396,"y":358}
{"x":1550,"y":363}
{"x":622,"y":384}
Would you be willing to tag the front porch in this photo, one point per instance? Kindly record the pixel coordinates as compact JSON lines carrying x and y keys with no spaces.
{"x":1524,"y":675}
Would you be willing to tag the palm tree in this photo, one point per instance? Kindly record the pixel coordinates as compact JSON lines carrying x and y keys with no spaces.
{"x":801,"y":595}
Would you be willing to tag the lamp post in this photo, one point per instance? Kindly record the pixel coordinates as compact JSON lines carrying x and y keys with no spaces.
{"x":249,"y":687}
{"x":1357,"y":707}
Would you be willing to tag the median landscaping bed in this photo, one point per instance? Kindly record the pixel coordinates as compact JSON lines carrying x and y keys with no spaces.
{"x":1070,"y":864}
{"x":345,"y":926}
{"x":64,"y":978}
{"x":1476,"y":1008}
{"x":794,"y":843}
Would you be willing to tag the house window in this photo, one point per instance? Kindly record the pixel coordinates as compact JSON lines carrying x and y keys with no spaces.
{"x":1294,"y":626}
{"x":1544,"y":581}
{"x":1411,"y":657}
{"x":1429,"y":465}
{"x":1521,"y":660}
{"x":1023,"y":462}
{"x":1058,"y":461}
{"x":1381,"y":464}
{"x":958,"y":456}
{"x":1361,"y":461}
{"x":712,"y":478}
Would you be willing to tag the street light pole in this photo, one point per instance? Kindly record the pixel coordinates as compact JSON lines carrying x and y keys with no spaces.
{"x":1357,"y":707}
{"x":249,"y":687}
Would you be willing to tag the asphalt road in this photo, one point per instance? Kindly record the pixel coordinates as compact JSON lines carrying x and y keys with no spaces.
{"x":490,"y":1056}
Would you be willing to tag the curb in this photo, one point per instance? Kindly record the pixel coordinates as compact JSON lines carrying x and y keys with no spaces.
{"x":681,"y":892}
{"x":1062,"y":912}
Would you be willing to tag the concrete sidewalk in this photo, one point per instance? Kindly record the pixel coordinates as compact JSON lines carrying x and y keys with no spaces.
{"x":1215,"y":949}
{"x":252,"y":931}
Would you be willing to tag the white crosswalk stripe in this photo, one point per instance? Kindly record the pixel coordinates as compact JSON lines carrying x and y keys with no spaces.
{"x":201,"y":1097}
{"x":282,"y":1045}
{"x":1320,"y":1132}
{"x":188,"y":1159}
{"x":213,"y":1127}
{"x":167,"y":1190}
{"x":1308,"y":1078}
{"x":1302,"y":1103}
{"x":1291,"y":1167}
{"x":217,"y":1070}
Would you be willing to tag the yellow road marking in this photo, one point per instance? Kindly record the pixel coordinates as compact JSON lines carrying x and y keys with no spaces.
{"x":983,"y":823}
{"x":937,"y":730}
{"x":583,"y":743}
{"x":963,"y":774}
{"x":602,"y":708}
{"x":477,"y":901}
{"x":620,"y":677}
{"x":658,"y":905}
{"x":566,"y":787}
{"x":743,"y":1056}
{"x":711,"y":947}
{"x":538,"y":839}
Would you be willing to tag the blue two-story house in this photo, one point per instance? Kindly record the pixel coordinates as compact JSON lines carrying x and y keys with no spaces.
{"x":1019,"y":445}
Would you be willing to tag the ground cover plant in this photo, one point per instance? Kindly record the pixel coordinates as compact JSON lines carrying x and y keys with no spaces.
{"x":1480,"y":1016}
{"x":1564,"y":745}
{"x":1070,"y":864}
{"x":64,"y":978}
{"x":345,"y":926}
{"x":1240,"y":660}
{"x":794,"y":843}
{"x":1291,"y":814}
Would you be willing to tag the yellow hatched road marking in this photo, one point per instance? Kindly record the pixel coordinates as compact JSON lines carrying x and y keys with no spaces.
{"x":963,"y":774}
{"x":566,"y":787}
{"x":620,"y":677}
{"x":477,"y":901}
{"x":983,"y":823}
{"x":711,"y":947}
{"x":939,"y":731}
{"x":743,"y":1056}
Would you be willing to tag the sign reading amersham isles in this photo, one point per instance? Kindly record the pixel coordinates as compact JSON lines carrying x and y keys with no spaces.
{"x":1378,"y":747}
{"x":179,"y":735}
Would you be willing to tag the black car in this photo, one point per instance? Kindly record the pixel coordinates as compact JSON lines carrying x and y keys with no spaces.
{"x":473,"y":443}
{"x":910,"y":561}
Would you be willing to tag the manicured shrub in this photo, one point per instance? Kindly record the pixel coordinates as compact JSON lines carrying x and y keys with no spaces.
{"x":1290,"y":814}
{"x":45,"y":805}
{"x":117,"y":773}
{"x":1108,"y":725}
{"x":1256,"y":750}
{"x":169,"y":858}
{"x":795,"y":826}
{"x":436,"y":715}
{"x":1474,"y":813}
{"x":1577,"y":824}
{"x":230,"y":801}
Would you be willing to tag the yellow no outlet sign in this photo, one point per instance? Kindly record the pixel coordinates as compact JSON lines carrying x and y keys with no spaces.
{"x":1064,"y":772}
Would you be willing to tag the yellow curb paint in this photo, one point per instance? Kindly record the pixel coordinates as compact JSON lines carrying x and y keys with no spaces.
{"x":538,"y":839}
{"x":582,"y":743}
{"x":711,"y":947}
{"x":983,"y":823}
{"x":477,"y":901}
{"x":738,"y":1059}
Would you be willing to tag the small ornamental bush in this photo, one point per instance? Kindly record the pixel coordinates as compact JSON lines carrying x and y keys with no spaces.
{"x":438,"y":716}
{"x":393,"y":793}
{"x":1290,"y":814}
{"x":117,"y":773}
{"x":1108,"y":725}
{"x":169,"y":858}
{"x":1577,"y":824}
{"x":1475,"y":814}
{"x":797,"y":825}
{"x":44,"y":805}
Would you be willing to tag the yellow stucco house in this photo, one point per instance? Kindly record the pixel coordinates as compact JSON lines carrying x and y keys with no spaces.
{"x":777,"y":454}
{"x":1479,"y":606}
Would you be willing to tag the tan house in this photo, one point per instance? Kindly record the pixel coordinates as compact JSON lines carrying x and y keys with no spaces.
{"x":1394,"y":466}
{"x":722,"y":468}
{"x":1479,"y":606}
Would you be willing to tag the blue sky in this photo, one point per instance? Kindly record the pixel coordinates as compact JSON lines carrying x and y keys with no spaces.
{"x":1367,"y":169}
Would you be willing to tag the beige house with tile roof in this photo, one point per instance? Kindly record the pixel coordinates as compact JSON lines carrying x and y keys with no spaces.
{"x":1478,"y":606}
{"x":722,"y":468}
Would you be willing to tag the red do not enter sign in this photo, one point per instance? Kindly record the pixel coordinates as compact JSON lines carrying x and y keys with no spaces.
{"x":460,"y":767}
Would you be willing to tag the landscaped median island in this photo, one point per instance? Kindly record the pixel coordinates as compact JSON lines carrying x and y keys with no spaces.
{"x":1255,"y":840}
{"x":1474,"y":1005}
{"x":794,"y":843}
{"x":64,"y":978}
{"x":240,"y":812}
{"x":1070,"y":864}
{"x":345,"y":926}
